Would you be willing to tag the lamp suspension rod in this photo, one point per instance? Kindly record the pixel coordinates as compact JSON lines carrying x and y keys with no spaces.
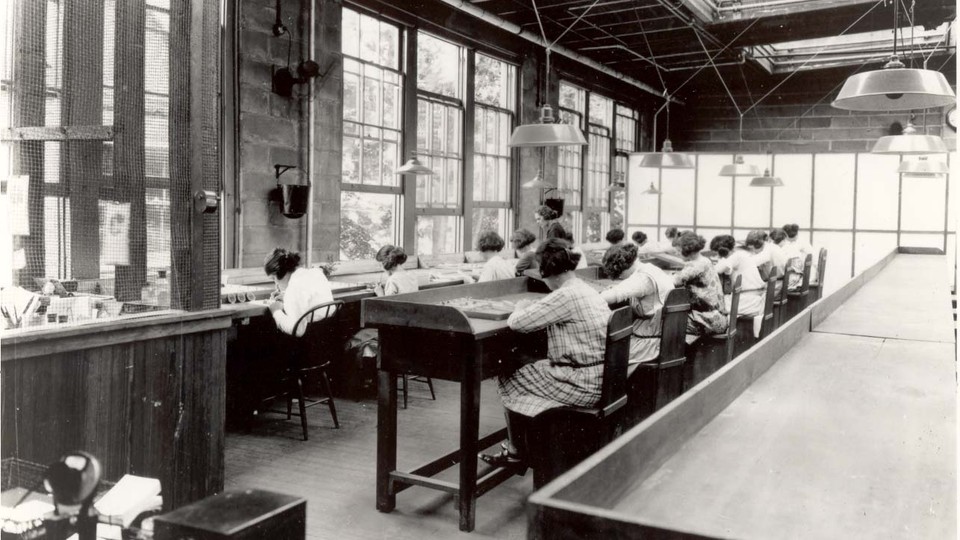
{"x":937,"y":45}
{"x":669,"y":97}
{"x":816,"y":54}
{"x":896,"y":24}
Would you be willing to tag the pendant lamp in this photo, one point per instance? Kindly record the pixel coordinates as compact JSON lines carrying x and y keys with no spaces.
{"x":767,"y":180}
{"x":909,"y":143}
{"x":739,"y":168}
{"x":537,"y":182}
{"x":616,"y":185}
{"x":923,"y":167}
{"x":652,"y":190}
{"x":667,"y":158}
{"x":895,"y":88}
{"x":547,"y":132}
{"x":414,"y":167}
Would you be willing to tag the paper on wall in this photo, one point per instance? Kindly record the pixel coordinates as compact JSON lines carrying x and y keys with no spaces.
{"x":18,"y":199}
{"x":114,"y":233}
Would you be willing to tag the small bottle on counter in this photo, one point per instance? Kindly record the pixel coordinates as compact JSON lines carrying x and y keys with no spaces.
{"x":162,"y":288}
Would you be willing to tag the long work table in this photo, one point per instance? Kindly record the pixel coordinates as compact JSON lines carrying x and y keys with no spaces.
{"x":850,"y":434}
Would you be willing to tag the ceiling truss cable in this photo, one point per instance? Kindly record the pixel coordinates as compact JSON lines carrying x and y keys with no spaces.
{"x":723,"y":82}
{"x":697,"y":72}
{"x":819,"y":101}
{"x":471,"y":9}
{"x":815,"y":55}
{"x":946,"y":32}
{"x":574,"y":23}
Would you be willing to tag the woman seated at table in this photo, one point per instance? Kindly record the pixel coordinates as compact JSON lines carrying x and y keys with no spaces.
{"x":575,"y":317}
{"x":490,"y":245}
{"x":708,"y":314}
{"x":298,"y":289}
{"x":614,"y":237}
{"x":646,"y":287}
{"x":670,"y":245}
{"x":644,"y":245}
{"x":738,"y":261}
{"x":792,"y":256}
{"x":522,"y":241}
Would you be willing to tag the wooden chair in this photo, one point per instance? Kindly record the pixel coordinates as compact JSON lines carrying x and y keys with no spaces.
{"x":416,"y":378}
{"x":709,"y":353}
{"x":816,"y":287}
{"x":658,"y":382}
{"x":780,"y":303}
{"x":307,"y":357}
{"x":559,"y":438}
{"x":745,"y":338}
{"x":798,"y":298}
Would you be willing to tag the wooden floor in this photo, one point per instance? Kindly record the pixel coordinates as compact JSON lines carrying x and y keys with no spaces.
{"x":335,"y":470}
{"x":852,"y":434}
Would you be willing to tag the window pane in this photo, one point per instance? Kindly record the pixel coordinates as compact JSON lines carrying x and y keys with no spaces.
{"x":440,"y":147}
{"x":350,"y":36}
{"x":572,"y":97}
{"x":367,"y":222}
{"x":492,"y":163}
{"x":594,"y":227}
{"x":495,"y":82}
{"x":601,"y":110}
{"x":491,"y":219}
{"x":439,"y":66}
{"x":437,"y":234}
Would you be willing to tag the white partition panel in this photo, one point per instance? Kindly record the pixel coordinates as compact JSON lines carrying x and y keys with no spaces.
{"x":791,"y":202}
{"x":677,"y":197}
{"x":871,"y":247}
{"x":714,"y":192}
{"x":921,"y":240}
{"x":833,"y":191}
{"x":923,"y":203}
{"x":877,"y":191}
{"x":641,"y":208}
{"x":839,"y":254}
{"x":751,"y":204}
{"x":954,"y":194}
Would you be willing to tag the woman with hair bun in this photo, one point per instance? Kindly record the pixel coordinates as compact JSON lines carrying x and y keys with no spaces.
{"x":522,"y":242}
{"x":575,"y":317}
{"x":739,"y":261}
{"x":549,"y":220}
{"x":708,"y":314}
{"x":646,"y":287}
{"x":495,"y":267}
{"x":398,"y":281}
{"x":298,"y":288}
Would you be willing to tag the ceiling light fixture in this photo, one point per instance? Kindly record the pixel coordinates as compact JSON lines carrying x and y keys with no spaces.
{"x":414,"y":167}
{"x":667,"y":158}
{"x":652,"y":190}
{"x":767,"y":180}
{"x":895,"y":87}
{"x":548,"y":131}
{"x":739,"y":168}
{"x":922,"y":166}
{"x":909,"y":143}
{"x":616,"y":185}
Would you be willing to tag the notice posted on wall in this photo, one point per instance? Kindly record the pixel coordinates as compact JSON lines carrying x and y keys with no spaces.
{"x":18,"y":201}
{"x":114,"y":233}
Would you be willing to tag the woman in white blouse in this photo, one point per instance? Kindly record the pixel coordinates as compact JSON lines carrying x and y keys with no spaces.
{"x":490,"y":245}
{"x":298,"y":289}
{"x":646,"y":287}
{"x":738,"y":260}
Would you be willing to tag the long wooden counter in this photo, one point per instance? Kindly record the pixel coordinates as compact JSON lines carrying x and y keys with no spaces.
{"x":144,"y":394}
{"x":851,"y":432}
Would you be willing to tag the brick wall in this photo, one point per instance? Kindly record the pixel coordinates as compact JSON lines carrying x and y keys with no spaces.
{"x":788,"y":121}
{"x":275,"y":129}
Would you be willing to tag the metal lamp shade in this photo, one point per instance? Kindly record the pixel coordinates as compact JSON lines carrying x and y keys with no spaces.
{"x":923,"y":167}
{"x":413,"y":166}
{"x":895,"y":89}
{"x":652,"y":190}
{"x":546,"y":135}
{"x":547,"y":132}
{"x":537,"y":182}
{"x":739,"y":168}
{"x":766,"y":180}
{"x":909,"y":144}
{"x":614,"y":187}
{"x":667,"y":159}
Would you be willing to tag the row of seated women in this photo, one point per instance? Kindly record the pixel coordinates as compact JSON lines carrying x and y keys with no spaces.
{"x":575,"y":315}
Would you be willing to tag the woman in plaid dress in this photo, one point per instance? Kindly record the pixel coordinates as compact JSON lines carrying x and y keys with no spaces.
{"x":575,"y":316}
{"x":709,"y":312}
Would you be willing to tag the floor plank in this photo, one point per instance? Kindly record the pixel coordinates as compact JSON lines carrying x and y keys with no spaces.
{"x":335,"y":470}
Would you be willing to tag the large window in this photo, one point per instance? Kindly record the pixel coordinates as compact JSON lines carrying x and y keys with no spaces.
{"x":495,"y":103}
{"x":570,"y":171}
{"x":440,"y":111}
{"x":372,"y":115}
{"x":627,"y":122}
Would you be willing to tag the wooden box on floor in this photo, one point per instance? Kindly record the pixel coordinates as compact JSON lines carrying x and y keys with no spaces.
{"x":236,"y":515}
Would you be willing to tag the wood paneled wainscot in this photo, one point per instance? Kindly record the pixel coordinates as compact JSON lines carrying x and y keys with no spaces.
{"x":145,"y":395}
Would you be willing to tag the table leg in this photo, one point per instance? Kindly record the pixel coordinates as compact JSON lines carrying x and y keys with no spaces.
{"x":387,"y":439}
{"x":469,"y":436}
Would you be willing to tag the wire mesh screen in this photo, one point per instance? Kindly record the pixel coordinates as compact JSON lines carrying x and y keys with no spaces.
{"x":85,"y":129}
